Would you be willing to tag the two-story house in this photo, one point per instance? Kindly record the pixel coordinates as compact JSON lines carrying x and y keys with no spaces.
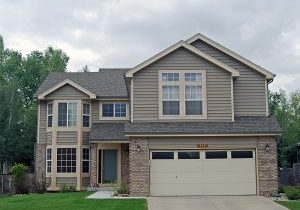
{"x":191,"y":120}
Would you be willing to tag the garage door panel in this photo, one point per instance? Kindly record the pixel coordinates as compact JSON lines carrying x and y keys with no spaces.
{"x":203,"y":177}
{"x":202,"y":189}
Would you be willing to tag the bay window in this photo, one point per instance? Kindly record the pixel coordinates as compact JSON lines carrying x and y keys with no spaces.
{"x":49,"y":114}
{"x":48,"y":160}
{"x":67,"y":114}
{"x":182,"y":94}
{"x":66,"y":160}
{"x":86,"y":115}
{"x":85,"y":160}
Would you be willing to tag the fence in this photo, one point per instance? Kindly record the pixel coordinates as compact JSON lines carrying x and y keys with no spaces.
{"x":290,"y":176}
{"x":5,"y":184}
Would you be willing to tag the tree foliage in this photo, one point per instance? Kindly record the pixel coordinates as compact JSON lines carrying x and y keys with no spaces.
{"x":20,"y":76}
{"x":286,"y":109}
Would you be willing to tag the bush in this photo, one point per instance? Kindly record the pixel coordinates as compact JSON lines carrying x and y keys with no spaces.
{"x":123,"y":188}
{"x":67,"y":188}
{"x":19,"y":178}
{"x":292,"y":193}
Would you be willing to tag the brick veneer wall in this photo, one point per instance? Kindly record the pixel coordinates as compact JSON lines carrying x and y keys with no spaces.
{"x":40,"y":163}
{"x":267,"y":166}
{"x":93,"y":165}
{"x":125,"y":163}
{"x":139,"y":168}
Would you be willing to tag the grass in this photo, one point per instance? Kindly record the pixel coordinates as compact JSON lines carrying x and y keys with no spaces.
{"x":68,"y":201}
{"x":293,"y":205}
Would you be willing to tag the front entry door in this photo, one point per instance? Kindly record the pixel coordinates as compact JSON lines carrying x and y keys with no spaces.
{"x":110,"y":165}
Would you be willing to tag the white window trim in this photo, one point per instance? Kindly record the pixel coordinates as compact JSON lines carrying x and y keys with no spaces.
{"x":89,"y":115}
{"x":86,"y":160}
{"x":48,"y":115}
{"x":114,"y":118}
{"x":182,"y":83}
{"x":78,"y":111}
{"x":61,"y":174}
{"x":48,"y":160}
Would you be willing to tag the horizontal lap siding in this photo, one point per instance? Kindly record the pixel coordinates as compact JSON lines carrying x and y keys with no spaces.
{"x":95,"y":111}
{"x":249,"y":88}
{"x":145,"y":86}
{"x":212,"y":142}
{"x":49,"y":138}
{"x":67,"y":137}
{"x":42,"y":122}
{"x":85,"y":138}
{"x":67,"y":92}
{"x":60,"y":181}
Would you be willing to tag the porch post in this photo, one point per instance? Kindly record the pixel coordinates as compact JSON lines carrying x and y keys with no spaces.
{"x":93,"y":168}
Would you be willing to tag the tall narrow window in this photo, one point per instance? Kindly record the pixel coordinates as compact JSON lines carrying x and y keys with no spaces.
{"x":50,"y":114}
{"x":193,"y":94}
{"x":66,"y":160}
{"x":67,"y":114}
{"x":170,"y":100}
{"x":86,"y":115}
{"x":85,"y":160}
{"x":48,"y":160}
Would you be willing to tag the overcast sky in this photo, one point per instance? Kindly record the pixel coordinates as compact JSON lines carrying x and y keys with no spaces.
{"x":124,"y":33}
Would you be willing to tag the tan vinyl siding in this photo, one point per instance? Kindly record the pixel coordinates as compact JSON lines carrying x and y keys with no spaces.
{"x":212,"y":142}
{"x":60,"y":181}
{"x":67,"y":92}
{"x":85,"y":138}
{"x":145,"y":86}
{"x":85,"y":181}
{"x":248,"y":89}
{"x":49,"y":138}
{"x":67,"y":137}
{"x":95,"y":111}
{"x":43,"y":122}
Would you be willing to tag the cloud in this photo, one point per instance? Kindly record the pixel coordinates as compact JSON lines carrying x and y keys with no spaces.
{"x":122,"y":33}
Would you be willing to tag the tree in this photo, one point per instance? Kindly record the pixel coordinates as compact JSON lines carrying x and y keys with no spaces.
{"x":20,"y":77}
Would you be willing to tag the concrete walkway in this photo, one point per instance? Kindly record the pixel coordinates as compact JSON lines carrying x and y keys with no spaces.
{"x":213,"y":203}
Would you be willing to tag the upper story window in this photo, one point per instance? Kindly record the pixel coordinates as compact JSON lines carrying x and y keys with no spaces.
{"x":114,"y":110}
{"x":182,"y":94}
{"x":67,"y":114}
{"x":86,"y":113}
{"x":49,"y":114}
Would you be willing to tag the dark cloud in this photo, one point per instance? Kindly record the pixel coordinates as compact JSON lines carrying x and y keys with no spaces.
{"x":123,"y":33}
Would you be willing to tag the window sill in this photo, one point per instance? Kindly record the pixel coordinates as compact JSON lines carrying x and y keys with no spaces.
{"x":186,"y":117}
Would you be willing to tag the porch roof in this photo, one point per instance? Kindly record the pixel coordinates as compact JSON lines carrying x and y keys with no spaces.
{"x":107,"y":132}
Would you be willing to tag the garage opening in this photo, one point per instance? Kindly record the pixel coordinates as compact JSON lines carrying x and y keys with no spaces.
{"x":202,"y":172}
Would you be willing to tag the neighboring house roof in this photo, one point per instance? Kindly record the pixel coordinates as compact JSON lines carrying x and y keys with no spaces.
{"x":107,"y":83}
{"x":107,"y":132}
{"x":234,"y":72}
{"x":269,"y":75}
{"x":241,"y":125}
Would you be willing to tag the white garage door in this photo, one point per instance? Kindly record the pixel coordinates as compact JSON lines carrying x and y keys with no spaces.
{"x":176,"y":173}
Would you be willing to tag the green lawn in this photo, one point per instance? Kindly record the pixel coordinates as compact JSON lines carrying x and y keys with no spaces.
{"x":68,"y":201}
{"x":293,"y":205}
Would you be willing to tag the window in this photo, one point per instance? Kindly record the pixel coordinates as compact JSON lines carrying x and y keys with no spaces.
{"x":85,"y":160}
{"x":188,"y":155}
{"x":66,"y":160}
{"x":114,"y":110}
{"x":50,"y":114}
{"x":67,"y":114}
{"x":170,"y":97}
{"x":86,"y":115}
{"x":216,"y":155}
{"x":241,"y":154}
{"x":162,"y":155}
{"x":182,"y":94}
{"x":48,"y":160}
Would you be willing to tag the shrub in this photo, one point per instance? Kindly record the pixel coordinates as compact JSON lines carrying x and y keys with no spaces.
{"x":19,"y":178}
{"x":292,"y":193}
{"x":123,"y":188}
{"x":67,"y":188}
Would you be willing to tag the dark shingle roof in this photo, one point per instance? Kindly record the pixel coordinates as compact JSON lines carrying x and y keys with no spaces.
{"x":241,"y":125}
{"x":107,"y":131}
{"x":107,"y":83}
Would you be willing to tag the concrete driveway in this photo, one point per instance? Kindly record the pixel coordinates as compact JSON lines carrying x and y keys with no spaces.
{"x":213,"y":203}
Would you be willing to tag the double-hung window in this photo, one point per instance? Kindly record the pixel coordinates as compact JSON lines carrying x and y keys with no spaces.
{"x":85,"y":160}
{"x":114,"y":110}
{"x":48,"y":159}
{"x":67,"y":114}
{"x":86,"y":115}
{"x":182,"y":94}
{"x":49,"y":114}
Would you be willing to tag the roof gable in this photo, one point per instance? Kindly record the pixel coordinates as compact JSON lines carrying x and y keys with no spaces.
{"x":187,"y":46}
{"x":269,"y":75}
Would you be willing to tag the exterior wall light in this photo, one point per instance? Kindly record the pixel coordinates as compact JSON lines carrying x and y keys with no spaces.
{"x":267,"y":147}
{"x":138,"y":147}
